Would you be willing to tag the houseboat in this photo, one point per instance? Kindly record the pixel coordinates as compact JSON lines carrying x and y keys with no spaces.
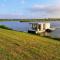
{"x":39,"y":27}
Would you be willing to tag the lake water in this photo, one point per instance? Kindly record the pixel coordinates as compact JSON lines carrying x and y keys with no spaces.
{"x":19,"y":26}
{"x":23,"y":26}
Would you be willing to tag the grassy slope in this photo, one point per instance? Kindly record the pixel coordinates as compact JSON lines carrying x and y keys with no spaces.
{"x":24,"y":46}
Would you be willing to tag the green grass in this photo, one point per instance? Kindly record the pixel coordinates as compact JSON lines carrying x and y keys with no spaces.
{"x":5,"y":27}
{"x":23,"y":46}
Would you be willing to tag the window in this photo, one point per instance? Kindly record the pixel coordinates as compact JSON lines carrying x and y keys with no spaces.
{"x":39,"y":27}
{"x":34,"y":26}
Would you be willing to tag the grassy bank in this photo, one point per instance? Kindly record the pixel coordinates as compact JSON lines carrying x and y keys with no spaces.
{"x":5,"y":27}
{"x":23,"y":46}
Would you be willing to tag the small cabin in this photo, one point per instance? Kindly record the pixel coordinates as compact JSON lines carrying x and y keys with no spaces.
{"x":38,"y":27}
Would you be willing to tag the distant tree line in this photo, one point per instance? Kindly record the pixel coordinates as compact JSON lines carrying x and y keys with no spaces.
{"x":32,"y":20}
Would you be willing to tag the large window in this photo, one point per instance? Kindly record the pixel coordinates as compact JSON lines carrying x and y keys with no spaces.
{"x":34,"y":26}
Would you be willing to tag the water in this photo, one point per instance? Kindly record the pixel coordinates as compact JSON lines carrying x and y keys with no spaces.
{"x":23,"y":26}
{"x":19,"y":26}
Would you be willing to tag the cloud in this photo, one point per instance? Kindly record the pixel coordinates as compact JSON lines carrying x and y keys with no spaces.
{"x":45,"y":10}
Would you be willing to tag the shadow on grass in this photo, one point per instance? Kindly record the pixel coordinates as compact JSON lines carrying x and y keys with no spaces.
{"x":52,"y":38}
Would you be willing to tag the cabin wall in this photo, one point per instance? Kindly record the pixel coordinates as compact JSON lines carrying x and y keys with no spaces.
{"x":47,"y":26}
{"x":41,"y":26}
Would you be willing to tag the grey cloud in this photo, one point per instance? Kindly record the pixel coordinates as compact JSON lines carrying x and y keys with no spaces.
{"x":44,"y":11}
{"x":45,"y":8}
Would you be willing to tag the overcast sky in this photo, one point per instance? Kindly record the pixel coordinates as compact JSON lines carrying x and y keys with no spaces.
{"x":29,"y":8}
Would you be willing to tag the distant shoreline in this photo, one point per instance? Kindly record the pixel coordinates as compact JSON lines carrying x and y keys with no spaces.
{"x":29,"y":20}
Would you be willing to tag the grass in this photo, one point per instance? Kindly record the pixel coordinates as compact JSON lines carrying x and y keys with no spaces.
{"x":23,"y":46}
{"x":4,"y":27}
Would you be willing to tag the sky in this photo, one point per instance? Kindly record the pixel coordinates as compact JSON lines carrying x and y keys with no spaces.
{"x":29,"y":9}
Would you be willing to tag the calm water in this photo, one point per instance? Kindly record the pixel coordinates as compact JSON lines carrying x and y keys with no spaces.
{"x":23,"y":26}
{"x":16,"y":25}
